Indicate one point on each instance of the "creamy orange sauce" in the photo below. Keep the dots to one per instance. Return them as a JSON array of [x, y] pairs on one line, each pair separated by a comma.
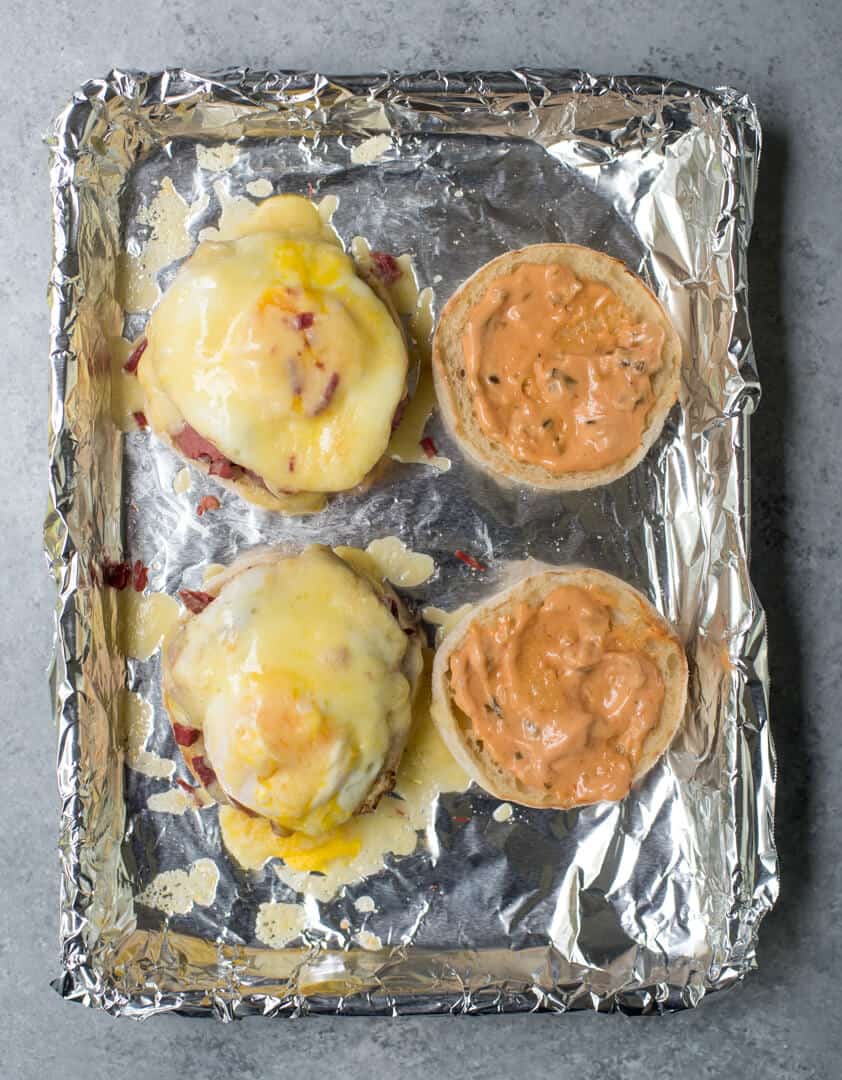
[[559, 371], [560, 699]]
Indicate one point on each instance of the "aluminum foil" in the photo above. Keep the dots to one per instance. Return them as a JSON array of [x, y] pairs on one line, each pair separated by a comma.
[[643, 906]]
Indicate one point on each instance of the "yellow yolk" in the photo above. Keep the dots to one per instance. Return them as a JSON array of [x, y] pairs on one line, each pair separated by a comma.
[[311, 854], [294, 675], [273, 349]]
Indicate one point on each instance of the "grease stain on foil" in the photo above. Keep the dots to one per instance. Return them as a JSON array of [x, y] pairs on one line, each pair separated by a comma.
[[175, 801], [368, 941], [260, 188], [277, 924], [218, 158], [136, 722], [371, 150], [175, 892], [126, 391]]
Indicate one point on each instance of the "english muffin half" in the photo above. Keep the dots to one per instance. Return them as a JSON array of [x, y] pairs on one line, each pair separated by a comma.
[[555, 367], [560, 691]]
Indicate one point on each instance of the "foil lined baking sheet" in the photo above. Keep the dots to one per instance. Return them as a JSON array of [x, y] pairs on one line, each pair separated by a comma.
[[643, 906]]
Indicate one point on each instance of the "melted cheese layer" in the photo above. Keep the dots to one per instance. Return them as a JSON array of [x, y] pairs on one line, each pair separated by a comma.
[[274, 349], [294, 674]]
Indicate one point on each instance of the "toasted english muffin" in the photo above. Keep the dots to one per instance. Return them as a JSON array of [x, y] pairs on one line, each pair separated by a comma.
[[631, 615], [458, 401]]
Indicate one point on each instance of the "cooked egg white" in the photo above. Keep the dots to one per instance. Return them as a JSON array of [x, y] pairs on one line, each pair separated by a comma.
[[294, 675], [275, 350]]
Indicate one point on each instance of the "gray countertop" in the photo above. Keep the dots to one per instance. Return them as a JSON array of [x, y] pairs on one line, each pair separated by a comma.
[[779, 1023]]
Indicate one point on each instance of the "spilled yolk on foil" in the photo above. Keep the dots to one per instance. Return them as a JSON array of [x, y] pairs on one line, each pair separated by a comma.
[[272, 348], [294, 675]]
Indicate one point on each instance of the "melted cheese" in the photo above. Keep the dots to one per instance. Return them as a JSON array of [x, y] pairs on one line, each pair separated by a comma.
[[445, 621], [406, 442], [181, 481], [175, 892], [320, 867], [234, 210], [294, 675], [273, 349], [277, 924], [173, 801], [168, 217], [371, 149], [400, 565], [368, 941], [390, 559], [217, 158], [211, 571], [136, 718], [126, 391], [260, 188], [145, 620]]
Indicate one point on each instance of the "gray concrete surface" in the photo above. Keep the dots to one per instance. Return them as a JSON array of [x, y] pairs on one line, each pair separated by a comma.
[[781, 1023]]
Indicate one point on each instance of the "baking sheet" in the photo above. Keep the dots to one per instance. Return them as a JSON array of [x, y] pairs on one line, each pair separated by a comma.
[[646, 905]]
